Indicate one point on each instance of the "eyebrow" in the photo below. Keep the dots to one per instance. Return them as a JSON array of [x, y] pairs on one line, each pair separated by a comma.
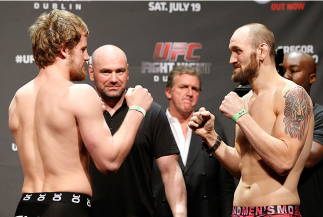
[[234, 47], [106, 69], [295, 65]]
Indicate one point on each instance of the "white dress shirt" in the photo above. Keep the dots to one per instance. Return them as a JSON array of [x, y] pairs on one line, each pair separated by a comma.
[[182, 143]]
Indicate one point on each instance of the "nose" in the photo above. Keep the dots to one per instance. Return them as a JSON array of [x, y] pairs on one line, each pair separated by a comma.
[[233, 59], [113, 77], [86, 56], [190, 91]]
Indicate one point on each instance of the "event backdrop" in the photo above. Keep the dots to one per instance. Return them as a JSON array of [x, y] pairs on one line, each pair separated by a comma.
[[155, 36]]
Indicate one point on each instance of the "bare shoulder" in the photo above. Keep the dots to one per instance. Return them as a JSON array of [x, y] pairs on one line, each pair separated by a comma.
[[83, 96], [293, 93], [288, 91], [26, 89], [84, 87], [82, 90], [19, 104], [22, 94]]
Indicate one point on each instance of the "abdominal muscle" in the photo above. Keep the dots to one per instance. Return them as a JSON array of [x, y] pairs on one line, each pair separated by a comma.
[[261, 186]]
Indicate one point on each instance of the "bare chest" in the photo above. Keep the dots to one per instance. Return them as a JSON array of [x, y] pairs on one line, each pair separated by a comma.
[[263, 111]]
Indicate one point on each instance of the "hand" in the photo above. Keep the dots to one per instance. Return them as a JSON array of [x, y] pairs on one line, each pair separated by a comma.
[[231, 105], [202, 123], [139, 96]]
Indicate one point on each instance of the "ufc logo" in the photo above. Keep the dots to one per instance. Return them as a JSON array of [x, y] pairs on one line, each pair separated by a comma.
[[171, 50]]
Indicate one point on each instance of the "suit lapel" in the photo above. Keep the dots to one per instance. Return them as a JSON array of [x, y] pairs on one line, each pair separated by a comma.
[[194, 151]]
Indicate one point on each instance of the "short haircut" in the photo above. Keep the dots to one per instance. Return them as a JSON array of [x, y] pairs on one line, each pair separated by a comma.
[[51, 32], [180, 70], [260, 33]]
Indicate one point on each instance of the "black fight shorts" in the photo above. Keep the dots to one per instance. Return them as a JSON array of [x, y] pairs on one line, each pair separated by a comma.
[[54, 204]]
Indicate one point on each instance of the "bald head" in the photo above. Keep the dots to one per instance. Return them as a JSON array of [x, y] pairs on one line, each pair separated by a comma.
[[108, 53], [300, 68], [304, 59], [109, 71], [257, 34]]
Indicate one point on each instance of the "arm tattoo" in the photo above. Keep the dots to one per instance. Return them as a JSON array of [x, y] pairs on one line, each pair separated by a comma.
[[297, 111]]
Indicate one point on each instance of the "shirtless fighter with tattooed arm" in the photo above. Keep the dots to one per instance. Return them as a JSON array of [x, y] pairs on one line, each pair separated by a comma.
[[274, 128]]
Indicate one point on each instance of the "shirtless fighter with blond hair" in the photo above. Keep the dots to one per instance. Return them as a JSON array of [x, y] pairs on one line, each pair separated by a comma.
[[274, 128], [57, 124]]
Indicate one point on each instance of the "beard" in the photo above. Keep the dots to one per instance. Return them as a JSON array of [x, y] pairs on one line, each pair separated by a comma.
[[248, 72], [77, 74]]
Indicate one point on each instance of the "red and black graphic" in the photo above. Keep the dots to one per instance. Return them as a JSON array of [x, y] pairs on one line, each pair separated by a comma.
[[170, 51], [297, 111]]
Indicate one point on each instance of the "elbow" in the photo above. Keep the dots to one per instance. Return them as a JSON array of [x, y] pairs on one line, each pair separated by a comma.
[[309, 164], [283, 169], [109, 168], [283, 172]]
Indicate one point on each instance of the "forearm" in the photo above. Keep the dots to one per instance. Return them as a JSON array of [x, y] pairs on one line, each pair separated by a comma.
[[176, 192], [226, 155], [109, 154], [124, 138]]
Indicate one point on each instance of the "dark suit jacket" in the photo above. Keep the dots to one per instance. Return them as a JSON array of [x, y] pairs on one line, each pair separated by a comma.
[[209, 186]]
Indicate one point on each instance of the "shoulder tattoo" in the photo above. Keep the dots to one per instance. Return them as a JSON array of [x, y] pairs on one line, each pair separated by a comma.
[[297, 111]]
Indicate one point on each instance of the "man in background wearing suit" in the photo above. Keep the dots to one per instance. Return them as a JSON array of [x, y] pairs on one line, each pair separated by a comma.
[[209, 186]]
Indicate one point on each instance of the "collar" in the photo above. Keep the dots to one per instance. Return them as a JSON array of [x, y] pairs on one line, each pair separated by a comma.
[[170, 117]]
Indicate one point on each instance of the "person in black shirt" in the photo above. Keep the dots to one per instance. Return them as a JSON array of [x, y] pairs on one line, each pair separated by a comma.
[[301, 68], [129, 191]]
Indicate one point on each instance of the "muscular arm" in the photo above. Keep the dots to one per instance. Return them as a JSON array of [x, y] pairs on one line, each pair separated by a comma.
[[229, 157], [174, 184], [202, 124], [316, 155], [280, 150], [107, 152]]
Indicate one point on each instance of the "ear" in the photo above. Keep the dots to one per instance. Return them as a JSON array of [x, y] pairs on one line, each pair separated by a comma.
[[168, 93], [264, 50], [64, 51], [312, 78], [128, 72], [91, 73]]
